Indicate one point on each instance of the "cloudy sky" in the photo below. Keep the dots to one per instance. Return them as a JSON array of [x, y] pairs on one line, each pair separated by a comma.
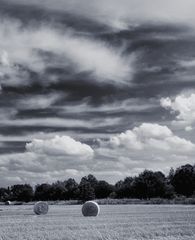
[[104, 87]]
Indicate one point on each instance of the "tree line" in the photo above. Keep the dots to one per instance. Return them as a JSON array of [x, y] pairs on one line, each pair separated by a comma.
[[148, 184]]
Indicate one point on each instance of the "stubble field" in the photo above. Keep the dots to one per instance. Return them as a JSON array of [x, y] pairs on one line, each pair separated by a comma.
[[115, 222]]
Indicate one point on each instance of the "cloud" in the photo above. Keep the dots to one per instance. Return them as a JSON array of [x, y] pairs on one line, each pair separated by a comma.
[[151, 136], [127, 105], [91, 84], [7, 113], [148, 146], [23, 47], [33, 168], [46, 160], [122, 14], [187, 63], [4, 59], [63, 145], [37, 101], [60, 122], [104, 61], [51, 158], [184, 108]]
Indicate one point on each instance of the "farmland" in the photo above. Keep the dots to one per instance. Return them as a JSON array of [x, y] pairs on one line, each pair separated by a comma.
[[115, 222]]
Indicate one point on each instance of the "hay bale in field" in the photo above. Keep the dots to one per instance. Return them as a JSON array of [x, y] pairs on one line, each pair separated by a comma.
[[90, 209], [41, 208], [8, 203]]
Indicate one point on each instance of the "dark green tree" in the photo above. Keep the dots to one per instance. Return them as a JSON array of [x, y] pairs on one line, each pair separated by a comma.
[[171, 175], [4, 194], [90, 179], [59, 191], [43, 192], [72, 188], [184, 180], [87, 192], [22, 192], [103, 189], [149, 184]]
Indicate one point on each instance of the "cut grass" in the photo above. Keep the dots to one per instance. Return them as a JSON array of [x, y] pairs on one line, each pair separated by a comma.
[[115, 222]]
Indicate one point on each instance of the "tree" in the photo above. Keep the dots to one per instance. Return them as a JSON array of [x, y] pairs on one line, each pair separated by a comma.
[[119, 189], [124, 188], [87, 192], [103, 189], [72, 189], [22, 192], [169, 191], [184, 180], [146, 185], [4, 194], [59, 191], [92, 180], [149, 184], [43, 192], [171, 175]]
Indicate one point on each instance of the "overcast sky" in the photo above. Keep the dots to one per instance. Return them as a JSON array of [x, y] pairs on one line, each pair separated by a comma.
[[103, 87]]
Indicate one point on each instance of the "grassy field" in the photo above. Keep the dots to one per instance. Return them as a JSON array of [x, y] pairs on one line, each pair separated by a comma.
[[115, 222]]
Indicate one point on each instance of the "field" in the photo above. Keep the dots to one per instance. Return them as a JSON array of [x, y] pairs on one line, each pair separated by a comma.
[[115, 222]]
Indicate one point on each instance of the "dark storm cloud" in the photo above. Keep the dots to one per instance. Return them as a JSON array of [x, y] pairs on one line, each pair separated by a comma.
[[155, 65], [120, 14], [156, 75], [12, 147], [29, 14]]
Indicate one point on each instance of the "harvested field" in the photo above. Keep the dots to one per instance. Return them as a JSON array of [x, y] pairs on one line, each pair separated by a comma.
[[115, 222]]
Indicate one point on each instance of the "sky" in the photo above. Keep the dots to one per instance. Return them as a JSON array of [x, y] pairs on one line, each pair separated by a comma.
[[95, 87]]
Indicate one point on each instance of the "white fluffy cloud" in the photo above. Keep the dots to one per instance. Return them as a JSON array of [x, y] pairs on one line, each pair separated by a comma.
[[148, 146], [184, 107], [60, 146], [46, 160], [151, 136]]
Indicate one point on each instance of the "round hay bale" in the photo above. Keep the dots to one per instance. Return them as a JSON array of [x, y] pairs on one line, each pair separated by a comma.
[[8, 203], [41, 208], [90, 209]]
